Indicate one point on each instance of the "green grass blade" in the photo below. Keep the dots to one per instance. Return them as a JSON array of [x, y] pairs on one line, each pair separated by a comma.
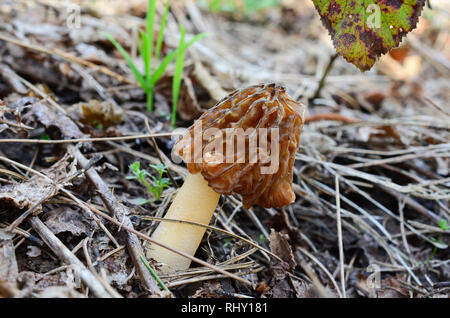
[[143, 50], [147, 64], [129, 60], [150, 27], [153, 273], [170, 57], [162, 27], [195, 39], [177, 76], [162, 67], [150, 92]]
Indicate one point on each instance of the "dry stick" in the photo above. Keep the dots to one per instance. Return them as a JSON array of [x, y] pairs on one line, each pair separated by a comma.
[[109, 254], [40, 93], [69, 57], [398, 159], [201, 271], [69, 258], [442, 110], [108, 287], [208, 277], [24, 233], [120, 212], [71, 141], [13, 174], [21, 126], [315, 260], [330, 116], [401, 205], [411, 203], [176, 168], [7, 74], [324, 76], [24, 215], [256, 222], [376, 180], [387, 211], [214, 228], [339, 233], [315, 280]]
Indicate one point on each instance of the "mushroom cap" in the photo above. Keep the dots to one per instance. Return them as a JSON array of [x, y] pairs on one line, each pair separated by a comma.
[[261, 126]]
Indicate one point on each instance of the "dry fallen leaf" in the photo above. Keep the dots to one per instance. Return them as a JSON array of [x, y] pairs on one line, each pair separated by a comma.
[[36, 190], [97, 113], [51, 119], [65, 219], [280, 282], [210, 290], [280, 222]]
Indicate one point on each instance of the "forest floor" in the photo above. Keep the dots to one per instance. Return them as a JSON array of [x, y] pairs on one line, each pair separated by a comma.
[[371, 177]]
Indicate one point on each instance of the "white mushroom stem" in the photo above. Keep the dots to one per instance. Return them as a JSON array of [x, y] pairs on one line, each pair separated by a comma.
[[194, 202]]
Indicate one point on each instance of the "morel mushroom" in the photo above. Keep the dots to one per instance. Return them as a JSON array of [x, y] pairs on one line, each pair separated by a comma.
[[245, 144]]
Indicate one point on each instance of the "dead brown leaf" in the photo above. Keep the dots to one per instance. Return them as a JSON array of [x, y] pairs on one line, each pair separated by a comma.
[[392, 288], [96, 113], [280, 223], [65, 219], [302, 289], [26, 195], [280, 283], [210, 290], [116, 268], [280, 246], [51, 120], [262, 288]]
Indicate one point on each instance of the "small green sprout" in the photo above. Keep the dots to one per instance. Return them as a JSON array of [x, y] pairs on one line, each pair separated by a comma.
[[261, 238], [443, 225], [154, 185], [227, 242], [246, 6]]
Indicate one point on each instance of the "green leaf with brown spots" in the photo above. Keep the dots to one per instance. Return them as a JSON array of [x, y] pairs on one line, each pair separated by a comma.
[[363, 30]]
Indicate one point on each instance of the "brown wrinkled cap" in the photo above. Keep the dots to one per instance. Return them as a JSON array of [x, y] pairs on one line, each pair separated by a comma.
[[240, 171]]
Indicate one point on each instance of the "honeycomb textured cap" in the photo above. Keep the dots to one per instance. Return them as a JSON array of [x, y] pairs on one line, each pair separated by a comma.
[[229, 146]]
